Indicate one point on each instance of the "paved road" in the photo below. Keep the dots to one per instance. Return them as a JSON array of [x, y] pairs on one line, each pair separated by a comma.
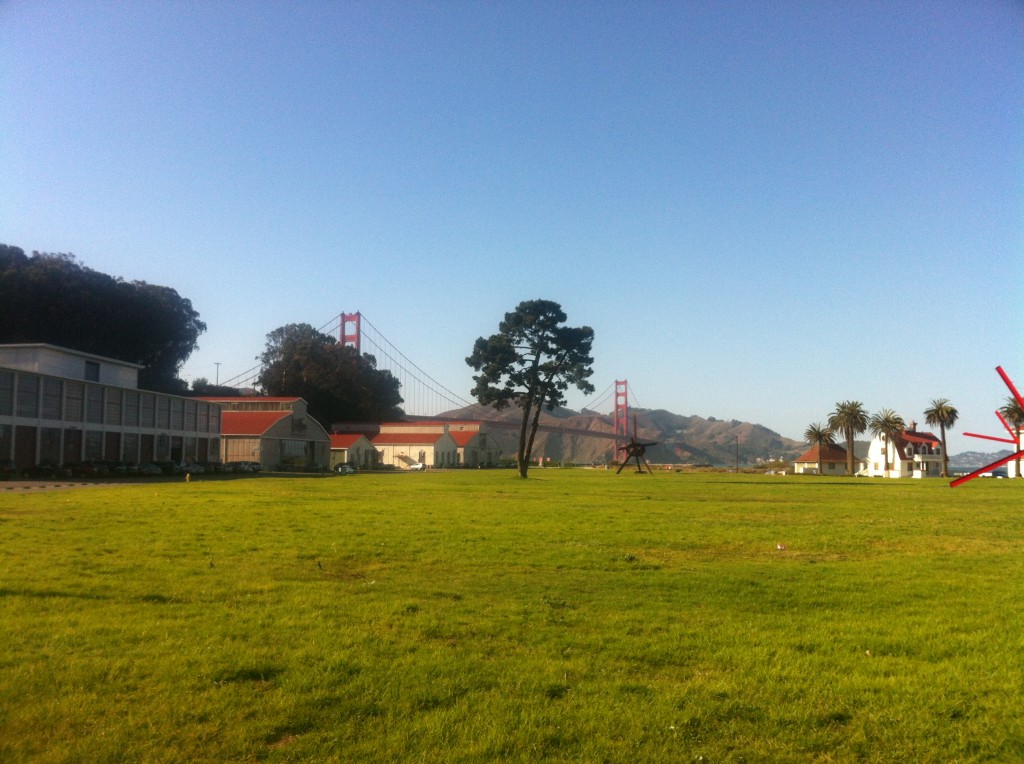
[[23, 486]]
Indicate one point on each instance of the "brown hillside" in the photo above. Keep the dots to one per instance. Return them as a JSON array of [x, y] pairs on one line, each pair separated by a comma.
[[586, 437]]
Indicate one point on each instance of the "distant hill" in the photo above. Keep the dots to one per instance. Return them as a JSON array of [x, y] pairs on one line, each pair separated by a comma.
[[586, 437], [973, 460]]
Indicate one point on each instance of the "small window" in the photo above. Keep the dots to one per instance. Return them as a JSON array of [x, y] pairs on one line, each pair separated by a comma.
[[92, 371]]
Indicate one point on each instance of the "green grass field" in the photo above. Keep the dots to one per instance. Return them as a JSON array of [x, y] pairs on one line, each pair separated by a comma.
[[475, 617]]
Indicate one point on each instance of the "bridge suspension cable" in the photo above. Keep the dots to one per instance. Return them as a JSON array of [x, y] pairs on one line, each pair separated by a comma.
[[423, 395]]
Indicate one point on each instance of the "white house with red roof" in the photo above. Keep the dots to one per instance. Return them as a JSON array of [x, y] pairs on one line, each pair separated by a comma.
[[404, 450], [352, 448], [277, 432], [833, 461], [910, 454], [474, 446]]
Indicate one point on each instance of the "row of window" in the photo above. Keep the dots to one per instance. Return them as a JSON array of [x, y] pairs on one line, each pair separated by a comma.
[[29, 445], [36, 397]]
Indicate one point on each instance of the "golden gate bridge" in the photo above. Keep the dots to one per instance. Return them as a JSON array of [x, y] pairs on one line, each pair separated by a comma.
[[427, 398]]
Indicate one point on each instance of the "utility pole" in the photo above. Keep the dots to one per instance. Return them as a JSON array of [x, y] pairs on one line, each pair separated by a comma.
[[217, 364]]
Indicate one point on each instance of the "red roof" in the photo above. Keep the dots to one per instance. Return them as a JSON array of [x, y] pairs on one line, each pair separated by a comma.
[[249, 422], [917, 438], [828, 454], [462, 437], [249, 398], [344, 440], [928, 438], [403, 438]]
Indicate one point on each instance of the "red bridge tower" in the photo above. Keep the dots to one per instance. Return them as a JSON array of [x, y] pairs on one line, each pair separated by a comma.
[[351, 337]]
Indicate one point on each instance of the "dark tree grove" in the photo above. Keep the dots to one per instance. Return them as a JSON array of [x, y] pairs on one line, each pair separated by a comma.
[[531, 362], [53, 298], [203, 387], [337, 382]]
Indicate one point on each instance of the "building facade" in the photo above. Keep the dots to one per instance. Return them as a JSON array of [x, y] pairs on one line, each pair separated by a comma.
[[354, 449], [277, 432], [400, 444], [833, 461], [909, 454], [60, 406]]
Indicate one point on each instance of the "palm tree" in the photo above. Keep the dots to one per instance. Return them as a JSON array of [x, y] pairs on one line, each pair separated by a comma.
[[851, 419], [819, 435], [940, 413], [887, 425], [1014, 414]]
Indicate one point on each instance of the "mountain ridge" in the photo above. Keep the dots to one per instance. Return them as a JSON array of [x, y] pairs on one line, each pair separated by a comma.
[[587, 437]]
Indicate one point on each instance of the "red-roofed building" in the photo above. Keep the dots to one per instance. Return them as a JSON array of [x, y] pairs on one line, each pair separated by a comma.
[[833, 461], [406, 449], [911, 454], [352, 448], [276, 432], [474, 446]]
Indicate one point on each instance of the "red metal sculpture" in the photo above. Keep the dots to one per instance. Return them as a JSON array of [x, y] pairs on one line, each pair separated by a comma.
[[1014, 436], [636, 450]]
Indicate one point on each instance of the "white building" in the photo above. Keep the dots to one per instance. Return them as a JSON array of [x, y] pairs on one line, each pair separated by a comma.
[[833, 461], [406, 449], [403, 444], [352, 448], [910, 454]]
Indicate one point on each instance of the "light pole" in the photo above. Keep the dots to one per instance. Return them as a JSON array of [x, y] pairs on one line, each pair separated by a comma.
[[737, 453], [217, 364]]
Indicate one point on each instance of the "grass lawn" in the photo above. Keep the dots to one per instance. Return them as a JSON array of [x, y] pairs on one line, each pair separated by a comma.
[[475, 617]]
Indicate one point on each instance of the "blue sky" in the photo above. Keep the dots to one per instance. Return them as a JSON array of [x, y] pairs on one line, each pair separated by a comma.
[[760, 208]]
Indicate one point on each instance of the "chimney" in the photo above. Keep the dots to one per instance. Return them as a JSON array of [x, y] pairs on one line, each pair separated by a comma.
[[913, 426]]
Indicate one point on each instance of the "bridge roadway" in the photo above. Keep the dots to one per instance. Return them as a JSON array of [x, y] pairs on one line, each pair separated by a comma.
[[506, 424]]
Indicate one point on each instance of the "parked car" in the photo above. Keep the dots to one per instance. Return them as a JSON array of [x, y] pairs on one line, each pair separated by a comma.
[[169, 468], [150, 469], [345, 469], [8, 469], [87, 469], [192, 468], [43, 470], [418, 467]]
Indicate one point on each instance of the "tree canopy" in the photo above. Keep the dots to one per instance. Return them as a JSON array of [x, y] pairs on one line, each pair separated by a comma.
[[821, 436], [940, 412], [1014, 414], [531, 362], [337, 382], [888, 425], [851, 419], [53, 298]]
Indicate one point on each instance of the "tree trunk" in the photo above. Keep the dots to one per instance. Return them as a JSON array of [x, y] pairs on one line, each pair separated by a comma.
[[522, 455], [533, 427], [945, 453]]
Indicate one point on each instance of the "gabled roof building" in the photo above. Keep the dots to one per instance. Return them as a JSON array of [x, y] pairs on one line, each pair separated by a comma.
[[354, 449], [909, 454], [277, 432], [833, 461], [404, 444]]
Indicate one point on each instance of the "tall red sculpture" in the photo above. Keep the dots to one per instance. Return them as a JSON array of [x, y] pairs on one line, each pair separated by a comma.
[[1014, 436]]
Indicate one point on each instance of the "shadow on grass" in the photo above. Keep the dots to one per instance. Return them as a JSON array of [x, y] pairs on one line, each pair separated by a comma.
[[47, 594], [858, 483]]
